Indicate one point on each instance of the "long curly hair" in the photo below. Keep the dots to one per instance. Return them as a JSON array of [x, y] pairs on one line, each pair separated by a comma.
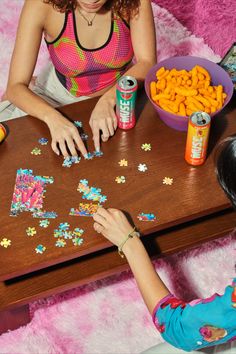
[[124, 8]]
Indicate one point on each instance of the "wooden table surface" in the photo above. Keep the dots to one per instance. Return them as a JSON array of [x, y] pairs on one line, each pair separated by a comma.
[[195, 191]]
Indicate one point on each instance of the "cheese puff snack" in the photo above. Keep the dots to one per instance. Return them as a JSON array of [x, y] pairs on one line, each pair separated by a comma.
[[183, 92]]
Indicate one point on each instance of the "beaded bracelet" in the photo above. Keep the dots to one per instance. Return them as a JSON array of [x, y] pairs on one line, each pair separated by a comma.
[[132, 234]]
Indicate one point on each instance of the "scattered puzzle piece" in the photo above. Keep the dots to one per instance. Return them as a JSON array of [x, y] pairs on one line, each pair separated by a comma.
[[40, 249], [77, 241], [120, 179], [44, 223], [58, 233], [60, 243], [5, 243], [68, 235], [146, 147], [123, 163], [36, 151], [31, 231], [43, 141], [142, 167], [78, 232], [64, 226], [146, 217], [168, 181]]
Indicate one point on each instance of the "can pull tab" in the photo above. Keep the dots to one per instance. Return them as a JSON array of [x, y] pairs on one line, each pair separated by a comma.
[[200, 119]]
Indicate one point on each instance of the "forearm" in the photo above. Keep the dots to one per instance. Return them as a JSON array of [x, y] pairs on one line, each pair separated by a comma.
[[150, 285], [22, 97]]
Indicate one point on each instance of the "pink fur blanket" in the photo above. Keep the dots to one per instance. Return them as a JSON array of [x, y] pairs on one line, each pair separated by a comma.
[[213, 20]]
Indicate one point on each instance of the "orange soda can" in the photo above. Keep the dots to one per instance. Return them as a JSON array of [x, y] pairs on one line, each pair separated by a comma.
[[197, 138]]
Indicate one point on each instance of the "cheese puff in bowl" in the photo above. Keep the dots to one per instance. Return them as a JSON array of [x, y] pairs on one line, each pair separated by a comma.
[[179, 86]]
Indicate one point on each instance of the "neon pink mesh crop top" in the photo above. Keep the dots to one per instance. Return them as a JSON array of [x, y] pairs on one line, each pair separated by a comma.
[[84, 71]]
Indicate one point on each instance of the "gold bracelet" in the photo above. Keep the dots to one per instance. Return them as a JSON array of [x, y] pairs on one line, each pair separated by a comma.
[[132, 234]]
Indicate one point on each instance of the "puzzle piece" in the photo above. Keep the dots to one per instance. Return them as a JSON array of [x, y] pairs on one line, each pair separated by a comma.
[[70, 160], [146, 217], [78, 124], [44, 223], [168, 181], [31, 231], [88, 209], [146, 147], [120, 179], [43, 141], [77, 241], [36, 151], [40, 249], [88, 156], [98, 153], [123, 163], [5, 243], [64, 226], [60, 243], [142, 167]]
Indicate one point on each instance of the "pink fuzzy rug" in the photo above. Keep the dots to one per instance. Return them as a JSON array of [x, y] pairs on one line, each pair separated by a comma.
[[109, 316], [212, 20]]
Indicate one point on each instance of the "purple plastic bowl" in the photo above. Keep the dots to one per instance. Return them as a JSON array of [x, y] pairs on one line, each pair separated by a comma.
[[218, 77]]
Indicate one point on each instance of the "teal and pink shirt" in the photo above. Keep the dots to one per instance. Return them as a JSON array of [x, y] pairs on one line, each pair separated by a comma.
[[84, 71]]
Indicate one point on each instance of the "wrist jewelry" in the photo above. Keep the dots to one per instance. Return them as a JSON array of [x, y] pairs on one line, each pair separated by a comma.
[[132, 234]]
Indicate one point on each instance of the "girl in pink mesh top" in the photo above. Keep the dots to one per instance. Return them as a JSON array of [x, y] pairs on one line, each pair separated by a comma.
[[91, 44]]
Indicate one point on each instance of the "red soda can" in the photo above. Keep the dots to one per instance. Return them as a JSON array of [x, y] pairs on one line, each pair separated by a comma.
[[126, 92], [197, 138]]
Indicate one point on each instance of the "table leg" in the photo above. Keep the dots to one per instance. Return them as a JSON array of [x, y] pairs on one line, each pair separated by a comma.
[[12, 319]]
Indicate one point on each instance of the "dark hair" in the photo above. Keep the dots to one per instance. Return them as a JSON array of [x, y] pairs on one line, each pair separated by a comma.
[[225, 162], [124, 8]]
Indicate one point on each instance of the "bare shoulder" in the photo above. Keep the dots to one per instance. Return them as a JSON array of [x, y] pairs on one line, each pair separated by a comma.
[[35, 10], [144, 11]]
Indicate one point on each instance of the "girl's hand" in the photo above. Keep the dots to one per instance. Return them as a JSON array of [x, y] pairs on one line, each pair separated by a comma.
[[66, 135], [113, 224], [103, 118]]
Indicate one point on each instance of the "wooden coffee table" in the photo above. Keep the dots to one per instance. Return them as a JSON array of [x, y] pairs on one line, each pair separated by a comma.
[[190, 211]]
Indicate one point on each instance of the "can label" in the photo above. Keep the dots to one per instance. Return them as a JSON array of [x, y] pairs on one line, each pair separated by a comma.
[[126, 93], [197, 138]]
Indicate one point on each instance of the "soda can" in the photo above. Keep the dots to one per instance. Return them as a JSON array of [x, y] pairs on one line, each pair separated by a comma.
[[126, 92], [197, 138]]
